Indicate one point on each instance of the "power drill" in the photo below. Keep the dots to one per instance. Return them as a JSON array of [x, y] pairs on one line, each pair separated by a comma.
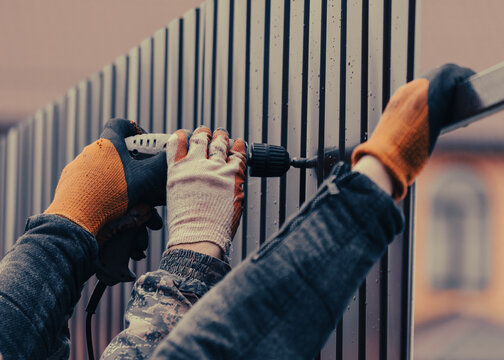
[[263, 160]]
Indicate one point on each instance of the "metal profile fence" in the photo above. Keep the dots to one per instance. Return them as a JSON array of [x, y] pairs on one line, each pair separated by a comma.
[[306, 74]]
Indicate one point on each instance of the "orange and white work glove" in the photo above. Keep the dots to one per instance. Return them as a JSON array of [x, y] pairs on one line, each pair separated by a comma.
[[204, 188], [411, 124], [104, 181]]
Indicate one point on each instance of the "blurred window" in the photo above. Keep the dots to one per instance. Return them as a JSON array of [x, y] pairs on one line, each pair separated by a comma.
[[459, 241]]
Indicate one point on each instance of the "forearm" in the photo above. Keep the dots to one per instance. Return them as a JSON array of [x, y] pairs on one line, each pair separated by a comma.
[[284, 301], [160, 298], [41, 279]]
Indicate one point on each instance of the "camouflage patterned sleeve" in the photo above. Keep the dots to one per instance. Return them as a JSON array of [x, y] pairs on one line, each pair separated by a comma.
[[160, 298]]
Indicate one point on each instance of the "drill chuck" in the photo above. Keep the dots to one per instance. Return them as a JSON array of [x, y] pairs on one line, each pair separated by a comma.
[[268, 160]]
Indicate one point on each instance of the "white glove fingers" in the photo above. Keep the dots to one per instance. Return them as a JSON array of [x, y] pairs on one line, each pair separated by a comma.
[[198, 145], [219, 146], [238, 155], [176, 147]]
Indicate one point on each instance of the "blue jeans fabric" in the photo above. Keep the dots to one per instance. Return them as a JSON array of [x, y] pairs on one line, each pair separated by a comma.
[[283, 301]]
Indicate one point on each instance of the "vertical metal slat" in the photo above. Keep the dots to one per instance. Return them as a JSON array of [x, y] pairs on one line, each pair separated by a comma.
[[221, 63], [274, 115], [258, 8], [189, 66], [102, 318], [173, 75], [121, 86], [11, 186], [3, 185], [238, 21], [38, 162], [119, 293], [159, 77]]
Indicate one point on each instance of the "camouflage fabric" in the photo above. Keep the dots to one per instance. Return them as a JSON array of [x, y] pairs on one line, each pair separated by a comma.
[[160, 298]]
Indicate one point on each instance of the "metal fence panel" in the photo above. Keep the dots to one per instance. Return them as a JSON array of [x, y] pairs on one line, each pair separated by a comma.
[[12, 162], [352, 132], [3, 181], [374, 107], [121, 65], [134, 85], [159, 85], [96, 98], [200, 54], [71, 124], [50, 151], [159, 72], [398, 76], [23, 168], [237, 115], [189, 66], [172, 99], [38, 162], [118, 294], [272, 130], [209, 17], [76, 133], [144, 111], [84, 115], [331, 108], [102, 320], [297, 60], [311, 75], [254, 234], [221, 62], [61, 104], [28, 186], [96, 113]]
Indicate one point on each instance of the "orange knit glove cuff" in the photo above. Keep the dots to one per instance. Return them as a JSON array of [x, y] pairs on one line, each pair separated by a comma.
[[92, 188], [401, 139]]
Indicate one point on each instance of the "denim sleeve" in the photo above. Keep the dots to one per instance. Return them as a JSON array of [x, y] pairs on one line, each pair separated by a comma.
[[283, 301], [41, 279], [160, 298]]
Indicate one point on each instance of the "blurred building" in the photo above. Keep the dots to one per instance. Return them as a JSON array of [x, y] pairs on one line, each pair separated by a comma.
[[459, 274]]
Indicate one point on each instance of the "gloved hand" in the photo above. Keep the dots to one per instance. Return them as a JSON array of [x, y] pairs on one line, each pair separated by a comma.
[[204, 187], [122, 239], [104, 181], [411, 123]]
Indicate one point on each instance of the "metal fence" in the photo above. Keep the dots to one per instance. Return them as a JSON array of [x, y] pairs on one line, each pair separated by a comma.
[[305, 74]]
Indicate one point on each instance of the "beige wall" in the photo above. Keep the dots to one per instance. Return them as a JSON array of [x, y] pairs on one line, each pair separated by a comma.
[[47, 46], [468, 33]]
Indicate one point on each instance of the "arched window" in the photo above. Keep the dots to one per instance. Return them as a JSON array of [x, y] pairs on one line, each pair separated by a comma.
[[459, 239]]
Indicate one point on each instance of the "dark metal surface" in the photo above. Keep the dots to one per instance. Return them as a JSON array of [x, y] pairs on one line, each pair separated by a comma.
[[480, 96]]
